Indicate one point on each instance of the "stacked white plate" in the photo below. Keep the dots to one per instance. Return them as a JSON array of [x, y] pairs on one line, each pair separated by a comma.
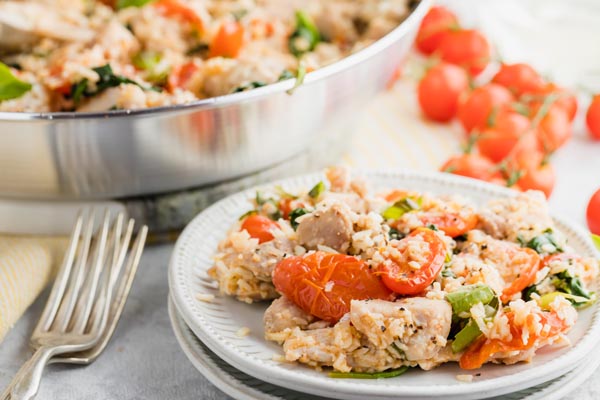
[[246, 367]]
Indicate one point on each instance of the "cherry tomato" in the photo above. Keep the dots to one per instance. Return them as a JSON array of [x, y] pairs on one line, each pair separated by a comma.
[[229, 40], [467, 48], [592, 118], [402, 278], [259, 227], [497, 141], [437, 21], [593, 213], [526, 155], [182, 75], [474, 112], [480, 351], [529, 264], [542, 178], [323, 284], [181, 10], [452, 224], [519, 78], [565, 99], [554, 129], [439, 91], [470, 165]]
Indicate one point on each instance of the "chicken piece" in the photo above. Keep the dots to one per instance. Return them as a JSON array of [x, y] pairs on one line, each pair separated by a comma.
[[329, 226], [327, 346], [25, 23], [283, 315], [524, 216], [418, 326]]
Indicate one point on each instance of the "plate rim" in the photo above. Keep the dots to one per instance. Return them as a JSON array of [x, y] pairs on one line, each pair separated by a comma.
[[283, 377]]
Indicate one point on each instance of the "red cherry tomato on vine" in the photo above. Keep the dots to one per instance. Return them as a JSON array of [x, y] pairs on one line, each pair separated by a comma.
[[471, 166], [592, 118], [519, 78], [497, 141], [405, 279], [593, 213], [437, 21], [564, 99], [542, 178], [323, 284], [259, 227], [554, 129], [474, 112], [466, 48], [439, 91]]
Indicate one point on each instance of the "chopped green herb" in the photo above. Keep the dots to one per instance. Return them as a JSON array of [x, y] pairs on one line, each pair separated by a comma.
[[317, 190], [259, 199], [432, 227], [249, 86], [566, 283], [369, 375], [239, 14], [295, 214], [78, 89], [395, 234], [198, 50], [150, 61], [448, 273], [305, 37], [529, 291], [131, 3], [285, 75], [401, 207], [10, 86], [544, 243]]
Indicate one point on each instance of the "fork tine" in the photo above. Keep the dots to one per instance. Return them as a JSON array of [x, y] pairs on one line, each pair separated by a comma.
[[88, 293], [65, 312], [102, 304], [61, 280]]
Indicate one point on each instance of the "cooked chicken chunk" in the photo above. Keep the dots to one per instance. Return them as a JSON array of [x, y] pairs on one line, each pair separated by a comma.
[[329, 226], [284, 315], [418, 326]]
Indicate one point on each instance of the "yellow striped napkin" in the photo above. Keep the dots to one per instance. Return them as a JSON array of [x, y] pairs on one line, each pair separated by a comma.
[[27, 264]]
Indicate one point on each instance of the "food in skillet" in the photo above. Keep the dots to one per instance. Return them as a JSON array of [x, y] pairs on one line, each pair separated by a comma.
[[87, 55], [369, 282]]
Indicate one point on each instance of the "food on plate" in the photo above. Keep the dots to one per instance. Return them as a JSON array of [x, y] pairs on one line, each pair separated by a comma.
[[370, 283], [102, 55]]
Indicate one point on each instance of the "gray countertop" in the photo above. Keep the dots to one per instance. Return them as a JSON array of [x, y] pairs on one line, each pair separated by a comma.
[[143, 360]]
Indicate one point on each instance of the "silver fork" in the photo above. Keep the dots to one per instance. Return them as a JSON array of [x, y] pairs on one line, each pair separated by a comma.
[[80, 315]]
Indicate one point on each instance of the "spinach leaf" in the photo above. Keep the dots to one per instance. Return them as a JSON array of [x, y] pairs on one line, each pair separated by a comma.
[[10, 86], [248, 86], [545, 243], [295, 214], [305, 37]]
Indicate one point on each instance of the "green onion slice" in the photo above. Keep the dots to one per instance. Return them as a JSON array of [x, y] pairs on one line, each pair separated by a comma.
[[369, 375]]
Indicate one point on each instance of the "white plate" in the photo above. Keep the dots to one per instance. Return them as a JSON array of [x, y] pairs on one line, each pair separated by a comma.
[[241, 386], [216, 323]]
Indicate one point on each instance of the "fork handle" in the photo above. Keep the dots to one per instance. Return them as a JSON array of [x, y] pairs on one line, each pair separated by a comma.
[[26, 383]]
